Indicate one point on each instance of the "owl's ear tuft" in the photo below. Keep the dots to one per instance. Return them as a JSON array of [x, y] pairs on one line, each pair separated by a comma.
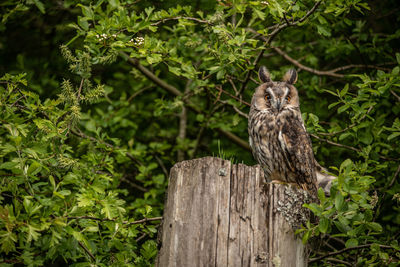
[[264, 75], [290, 76]]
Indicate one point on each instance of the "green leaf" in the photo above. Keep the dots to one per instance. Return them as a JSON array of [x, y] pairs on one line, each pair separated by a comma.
[[343, 108], [339, 201], [34, 168], [32, 233], [393, 135], [8, 165], [344, 90], [323, 225], [154, 58], [376, 227], [259, 13], [324, 30], [8, 240], [40, 6], [351, 243]]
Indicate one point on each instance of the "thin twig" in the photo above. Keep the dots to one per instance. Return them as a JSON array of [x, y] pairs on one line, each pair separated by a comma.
[[13, 104], [335, 144], [80, 89], [162, 166], [248, 75], [396, 95], [144, 220], [87, 251], [232, 96], [267, 40], [113, 220], [138, 93], [351, 66], [332, 72], [382, 199], [81, 134], [345, 250], [183, 124], [349, 147], [350, 126], [135, 62], [134, 185], [141, 237], [238, 111], [394, 177], [339, 261], [181, 17]]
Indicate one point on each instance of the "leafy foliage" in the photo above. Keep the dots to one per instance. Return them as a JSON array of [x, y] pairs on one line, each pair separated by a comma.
[[110, 94]]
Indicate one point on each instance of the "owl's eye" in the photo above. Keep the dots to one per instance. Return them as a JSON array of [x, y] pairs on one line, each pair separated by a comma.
[[267, 97], [287, 98]]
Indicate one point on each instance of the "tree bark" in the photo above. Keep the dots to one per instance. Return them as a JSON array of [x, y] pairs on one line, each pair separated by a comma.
[[219, 214]]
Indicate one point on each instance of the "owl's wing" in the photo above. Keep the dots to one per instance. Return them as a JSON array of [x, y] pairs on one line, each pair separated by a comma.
[[297, 149]]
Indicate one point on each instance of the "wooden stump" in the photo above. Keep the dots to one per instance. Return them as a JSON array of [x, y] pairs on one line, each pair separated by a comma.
[[219, 214]]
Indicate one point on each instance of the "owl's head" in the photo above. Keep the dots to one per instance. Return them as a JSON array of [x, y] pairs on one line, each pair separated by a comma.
[[276, 96]]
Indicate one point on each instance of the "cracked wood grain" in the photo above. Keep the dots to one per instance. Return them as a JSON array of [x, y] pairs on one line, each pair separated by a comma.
[[220, 214]]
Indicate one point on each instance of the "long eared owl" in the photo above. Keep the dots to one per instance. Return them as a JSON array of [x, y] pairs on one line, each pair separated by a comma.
[[278, 137]]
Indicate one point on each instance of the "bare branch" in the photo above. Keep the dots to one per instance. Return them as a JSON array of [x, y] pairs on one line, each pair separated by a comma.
[[144, 220], [162, 166], [350, 126], [135, 62], [183, 125], [351, 66], [345, 250], [349, 147], [267, 40], [339, 261], [396, 95], [87, 251], [80, 89], [113, 220], [134, 185], [79, 133], [181, 17], [335, 144], [232, 96], [332, 72], [301, 66], [394, 177]]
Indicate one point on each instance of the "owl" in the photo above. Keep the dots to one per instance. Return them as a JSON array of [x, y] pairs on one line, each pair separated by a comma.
[[277, 134]]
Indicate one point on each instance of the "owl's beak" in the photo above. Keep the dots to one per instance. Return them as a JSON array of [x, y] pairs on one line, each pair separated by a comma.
[[278, 105]]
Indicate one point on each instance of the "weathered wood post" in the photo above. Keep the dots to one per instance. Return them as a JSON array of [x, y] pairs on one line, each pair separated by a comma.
[[219, 214]]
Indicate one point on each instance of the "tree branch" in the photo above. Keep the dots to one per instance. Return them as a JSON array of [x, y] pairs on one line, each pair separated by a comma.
[[82, 135], [232, 96], [267, 40], [345, 250], [135, 62], [335, 144], [87, 251], [134, 185], [181, 17], [182, 125], [395, 95], [350, 126], [308, 69], [394, 177], [113, 220], [339, 261]]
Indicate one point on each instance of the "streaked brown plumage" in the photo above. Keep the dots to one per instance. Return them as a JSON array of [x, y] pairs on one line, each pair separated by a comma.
[[277, 134]]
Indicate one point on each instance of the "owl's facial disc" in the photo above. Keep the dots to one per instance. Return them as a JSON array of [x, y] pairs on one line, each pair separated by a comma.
[[277, 97]]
